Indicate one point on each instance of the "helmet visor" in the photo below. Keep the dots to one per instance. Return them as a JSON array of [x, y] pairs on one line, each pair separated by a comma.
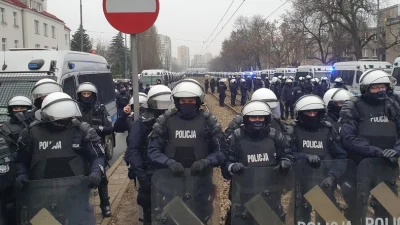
[[60, 109]]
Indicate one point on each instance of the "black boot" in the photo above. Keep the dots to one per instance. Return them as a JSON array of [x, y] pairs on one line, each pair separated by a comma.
[[104, 199]]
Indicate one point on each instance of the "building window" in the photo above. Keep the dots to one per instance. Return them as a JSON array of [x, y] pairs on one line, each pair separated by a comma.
[[66, 39], [375, 51], [46, 46], [16, 43], [45, 29], [15, 19], [39, 7], [36, 27], [37, 46], [365, 53], [2, 15], [54, 48], [53, 32], [3, 44], [30, 4]]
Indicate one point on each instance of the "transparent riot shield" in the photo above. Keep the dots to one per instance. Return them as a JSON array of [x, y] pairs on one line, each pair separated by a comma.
[[261, 196], [378, 188], [321, 198], [182, 200], [62, 201]]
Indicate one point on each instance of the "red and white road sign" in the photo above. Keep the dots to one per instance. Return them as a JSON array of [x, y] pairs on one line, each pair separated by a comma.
[[131, 16]]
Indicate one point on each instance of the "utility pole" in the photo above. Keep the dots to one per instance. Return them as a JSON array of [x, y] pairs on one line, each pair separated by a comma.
[[378, 36], [126, 59], [81, 28]]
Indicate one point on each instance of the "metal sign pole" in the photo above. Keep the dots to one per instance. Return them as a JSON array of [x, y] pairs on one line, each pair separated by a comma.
[[135, 78]]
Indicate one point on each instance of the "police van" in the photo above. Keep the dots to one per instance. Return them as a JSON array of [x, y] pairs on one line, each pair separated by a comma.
[[396, 73], [350, 72], [267, 74], [20, 69], [313, 71], [285, 72]]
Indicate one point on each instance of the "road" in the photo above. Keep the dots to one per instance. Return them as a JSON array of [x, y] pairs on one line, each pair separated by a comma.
[[120, 146]]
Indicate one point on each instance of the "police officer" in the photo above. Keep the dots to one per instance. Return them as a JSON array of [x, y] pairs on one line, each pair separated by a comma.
[[233, 89], [308, 86], [297, 91], [96, 115], [136, 153], [221, 91], [325, 84], [206, 85], [124, 122], [122, 99], [391, 94], [49, 145], [339, 83], [315, 139], [243, 91], [40, 90], [187, 137], [302, 83], [334, 100], [318, 88], [287, 98], [257, 137], [212, 85], [268, 96], [249, 83], [258, 83]]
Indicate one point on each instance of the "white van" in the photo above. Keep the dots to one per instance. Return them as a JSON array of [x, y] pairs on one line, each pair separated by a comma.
[[285, 72], [313, 71], [350, 72], [396, 73], [20, 69], [267, 74]]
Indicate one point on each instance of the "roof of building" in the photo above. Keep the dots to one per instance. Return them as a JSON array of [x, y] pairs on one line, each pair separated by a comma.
[[44, 13], [66, 28]]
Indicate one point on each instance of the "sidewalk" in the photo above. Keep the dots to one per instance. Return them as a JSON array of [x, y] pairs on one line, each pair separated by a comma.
[[118, 182]]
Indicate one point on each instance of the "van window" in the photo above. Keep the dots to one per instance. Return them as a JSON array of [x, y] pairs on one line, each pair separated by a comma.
[[69, 87], [103, 83], [346, 75], [358, 75], [396, 74]]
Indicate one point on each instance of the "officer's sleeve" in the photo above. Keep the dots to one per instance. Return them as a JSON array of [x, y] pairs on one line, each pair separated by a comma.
[[134, 143], [218, 144], [283, 146], [233, 125], [24, 153], [338, 153], [157, 142], [107, 124], [349, 133], [283, 96], [93, 152], [231, 157]]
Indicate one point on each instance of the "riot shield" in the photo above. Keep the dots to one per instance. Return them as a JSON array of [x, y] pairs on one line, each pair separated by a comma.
[[321, 198], [62, 201], [378, 188], [182, 200], [262, 196]]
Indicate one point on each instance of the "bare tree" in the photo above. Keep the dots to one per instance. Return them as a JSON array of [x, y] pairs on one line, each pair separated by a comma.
[[102, 47], [148, 55]]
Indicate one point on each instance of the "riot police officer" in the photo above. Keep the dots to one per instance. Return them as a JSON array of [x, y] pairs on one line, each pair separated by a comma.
[[96, 115], [297, 90], [122, 99], [339, 83], [243, 91], [308, 86], [256, 137], [302, 83], [187, 137], [206, 85], [268, 96], [212, 85], [318, 88], [8, 213], [287, 98], [221, 91], [40, 90], [334, 100], [59, 146], [325, 84], [233, 89], [315, 139], [136, 153], [124, 122], [391, 94], [258, 83]]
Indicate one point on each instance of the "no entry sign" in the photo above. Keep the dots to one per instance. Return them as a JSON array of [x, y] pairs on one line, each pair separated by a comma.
[[131, 16]]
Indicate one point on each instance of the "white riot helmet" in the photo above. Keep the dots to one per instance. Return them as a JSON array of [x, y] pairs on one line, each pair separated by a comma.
[[312, 80], [373, 76], [393, 82], [269, 97], [309, 103], [308, 77], [19, 101], [280, 77], [274, 80], [301, 78], [233, 81], [336, 95], [256, 108], [159, 97], [338, 80], [86, 87], [43, 88], [324, 78], [242, 80], [316, 80], [59, 106], [289, 81], [188, 88], [142, 100]]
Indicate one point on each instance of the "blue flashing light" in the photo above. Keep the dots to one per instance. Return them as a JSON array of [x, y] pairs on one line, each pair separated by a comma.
[[33, 66], [332, 68], [72, 65]]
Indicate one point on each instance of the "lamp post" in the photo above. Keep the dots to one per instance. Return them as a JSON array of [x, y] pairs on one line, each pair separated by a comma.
[[81, 27]]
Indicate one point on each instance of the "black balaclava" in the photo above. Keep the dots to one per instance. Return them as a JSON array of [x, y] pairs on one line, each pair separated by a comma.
[[87, 102], [311, 122], [59, 125], [333, 110], [12, 114], [258, 129], [375, 98], [187, 111], [38, 102]]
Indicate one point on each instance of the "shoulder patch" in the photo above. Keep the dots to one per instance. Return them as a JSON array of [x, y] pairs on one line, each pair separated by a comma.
[[327, 123], [109, 119]]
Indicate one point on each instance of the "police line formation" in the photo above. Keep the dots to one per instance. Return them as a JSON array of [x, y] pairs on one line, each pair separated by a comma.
[[337, 163]]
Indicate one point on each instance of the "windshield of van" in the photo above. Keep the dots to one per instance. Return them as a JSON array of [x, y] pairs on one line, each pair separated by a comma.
[[278, 74], [301, 74], [346, 75], [14, 84], [396, 74], [150, 79]]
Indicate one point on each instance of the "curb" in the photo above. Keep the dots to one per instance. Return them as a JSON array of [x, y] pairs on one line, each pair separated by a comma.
[[115, 165]]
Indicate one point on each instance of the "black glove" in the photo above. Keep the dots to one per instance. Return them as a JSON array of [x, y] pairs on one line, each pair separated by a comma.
[[21, 180], [388, 153], [198, 166], [328, 182], [90, 132], [314, 160], [177, 169], [145, 184], [94, 180], [284, 165], [237, 168]]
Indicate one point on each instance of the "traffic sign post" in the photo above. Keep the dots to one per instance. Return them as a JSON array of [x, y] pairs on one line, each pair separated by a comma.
[[132, 17]]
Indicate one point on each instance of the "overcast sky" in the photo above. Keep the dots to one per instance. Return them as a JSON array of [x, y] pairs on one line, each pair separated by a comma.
[[186, 22]]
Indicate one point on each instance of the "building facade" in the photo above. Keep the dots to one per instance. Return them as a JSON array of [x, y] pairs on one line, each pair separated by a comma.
[[165, 50], [183, 57], [27, 24], [207, 57]]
